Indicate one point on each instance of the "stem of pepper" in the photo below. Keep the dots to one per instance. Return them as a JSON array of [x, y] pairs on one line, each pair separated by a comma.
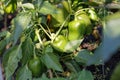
[[39, 38], [34, 55], [48, 29], [60, 28], [44, 31]]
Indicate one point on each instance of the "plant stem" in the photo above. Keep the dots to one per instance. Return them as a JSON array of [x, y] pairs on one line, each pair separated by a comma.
[[44, 31], [5, 22], [34, 54], [50, 73], [39, 38], [60, 28], [48, 29]]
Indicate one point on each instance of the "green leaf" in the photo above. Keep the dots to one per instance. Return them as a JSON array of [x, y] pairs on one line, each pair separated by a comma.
[[20, 23], [5, 41], [24, 74], [3, 33], [6, 56], [11, 63], [47, 8], [51, 60], [59, 14], [84, 56], [74, 69], [27, 50], [85, 75], [48, 49], [73, 76], [38, 3], [72, 66], [72, 45], [2, 45]]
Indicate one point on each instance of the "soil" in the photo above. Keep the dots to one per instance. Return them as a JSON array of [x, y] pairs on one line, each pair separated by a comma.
[[104, 72]]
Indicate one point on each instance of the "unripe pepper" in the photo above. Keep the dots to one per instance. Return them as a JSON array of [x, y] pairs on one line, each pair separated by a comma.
[[36, 66], [59, 43], [84, 17], [76, 30]]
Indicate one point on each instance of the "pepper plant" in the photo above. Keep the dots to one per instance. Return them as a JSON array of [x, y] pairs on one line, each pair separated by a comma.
[[45, 40]]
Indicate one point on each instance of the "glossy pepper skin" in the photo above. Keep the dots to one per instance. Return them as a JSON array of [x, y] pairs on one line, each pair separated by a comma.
[[59, 43], [36, 66], [84, 17], [76, 30], [11, 7]]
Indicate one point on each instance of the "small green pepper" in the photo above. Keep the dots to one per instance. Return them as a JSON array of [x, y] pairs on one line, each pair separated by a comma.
[[76, 30], [36, 66], [59, 43], [84, 17]]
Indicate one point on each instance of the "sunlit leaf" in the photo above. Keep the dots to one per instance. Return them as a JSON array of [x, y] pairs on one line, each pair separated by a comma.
[[24, 74]]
